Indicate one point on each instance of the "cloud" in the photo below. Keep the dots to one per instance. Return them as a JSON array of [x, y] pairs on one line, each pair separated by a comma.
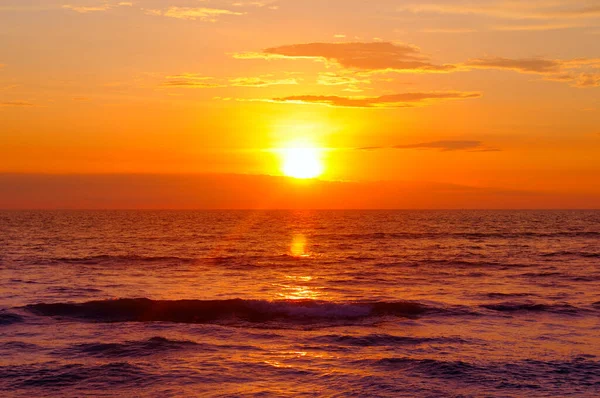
[[86, 9], [580, 12], [578, 72], [362, 59], [27, 8], [104, 6], [191, 80], [370, 57], [581, 80], [191, 84], [194, 80], [587, 80], [449, 145], [525, 65], [8, 87], [261, 82], [387, 101], [193, 13], [260, 4], [351, 82], [546, 14], [15, 103], [537, 27], [449, 30], [544, 9], [444, 146]]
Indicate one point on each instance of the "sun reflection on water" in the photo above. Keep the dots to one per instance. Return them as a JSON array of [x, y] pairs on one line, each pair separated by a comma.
[[298, 288], [298, 247]]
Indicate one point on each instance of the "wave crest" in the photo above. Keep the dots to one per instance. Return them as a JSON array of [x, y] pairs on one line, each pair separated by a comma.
[[7, 318], [211, 311], [129, 349], [560, 308]]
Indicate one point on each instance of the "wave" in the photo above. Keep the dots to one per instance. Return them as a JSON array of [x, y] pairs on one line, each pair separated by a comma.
[[566, 253], [505, 295], [374, 340], [543, 274], [244, 261], [213, 311], [143, 348], [474, 264], [300, 312], [13, 346], [461, 235], [559, 308], [580, 372], [106, 258], [285, 260], [590, 278], [128, 349], [432, 367], [8, 318], [51, 375]]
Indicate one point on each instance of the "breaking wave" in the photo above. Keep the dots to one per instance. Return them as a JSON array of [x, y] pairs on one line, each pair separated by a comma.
[[7, 318], [213, 311]]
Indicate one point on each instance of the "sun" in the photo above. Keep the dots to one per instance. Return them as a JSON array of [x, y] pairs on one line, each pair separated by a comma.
[[302, 162]]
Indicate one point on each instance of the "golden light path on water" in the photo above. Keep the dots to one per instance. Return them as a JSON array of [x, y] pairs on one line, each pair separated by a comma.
[[298, 246], [299, 287]]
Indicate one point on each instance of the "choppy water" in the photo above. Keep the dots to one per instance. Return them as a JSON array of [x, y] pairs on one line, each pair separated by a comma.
[[313, 303]]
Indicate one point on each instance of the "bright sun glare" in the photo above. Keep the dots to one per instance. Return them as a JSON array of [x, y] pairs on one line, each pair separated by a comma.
[[302, 162]]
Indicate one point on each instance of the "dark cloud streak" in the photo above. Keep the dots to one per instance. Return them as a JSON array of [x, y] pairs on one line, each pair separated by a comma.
[[444, 146]]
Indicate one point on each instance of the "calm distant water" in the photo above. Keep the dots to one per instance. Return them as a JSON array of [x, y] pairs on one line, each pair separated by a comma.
[[300, 303]]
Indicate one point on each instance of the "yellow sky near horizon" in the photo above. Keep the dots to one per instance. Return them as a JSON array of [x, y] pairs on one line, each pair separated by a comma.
[[494, 93]]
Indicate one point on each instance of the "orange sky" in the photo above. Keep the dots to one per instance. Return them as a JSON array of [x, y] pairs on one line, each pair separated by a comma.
[[495, 96]]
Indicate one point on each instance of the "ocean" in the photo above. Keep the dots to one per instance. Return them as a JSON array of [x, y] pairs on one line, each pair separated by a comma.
[[300, 303]]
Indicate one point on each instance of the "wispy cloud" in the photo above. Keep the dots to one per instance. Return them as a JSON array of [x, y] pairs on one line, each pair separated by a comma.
[[539, 27], [194, 13], [370, 57], [531, 65], [387, 101], [16, 103], [514, 15], [103, 6], [261, 81], [510, 9], [351, 82], [579, 72], [445, 146], [194, 80], [86, 9], [582, 80], [27, 8], [272, 5], [359, 60], [191, 80], [449, 30]]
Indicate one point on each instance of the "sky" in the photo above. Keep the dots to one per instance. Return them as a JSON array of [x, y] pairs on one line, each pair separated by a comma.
[[196, 103]]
